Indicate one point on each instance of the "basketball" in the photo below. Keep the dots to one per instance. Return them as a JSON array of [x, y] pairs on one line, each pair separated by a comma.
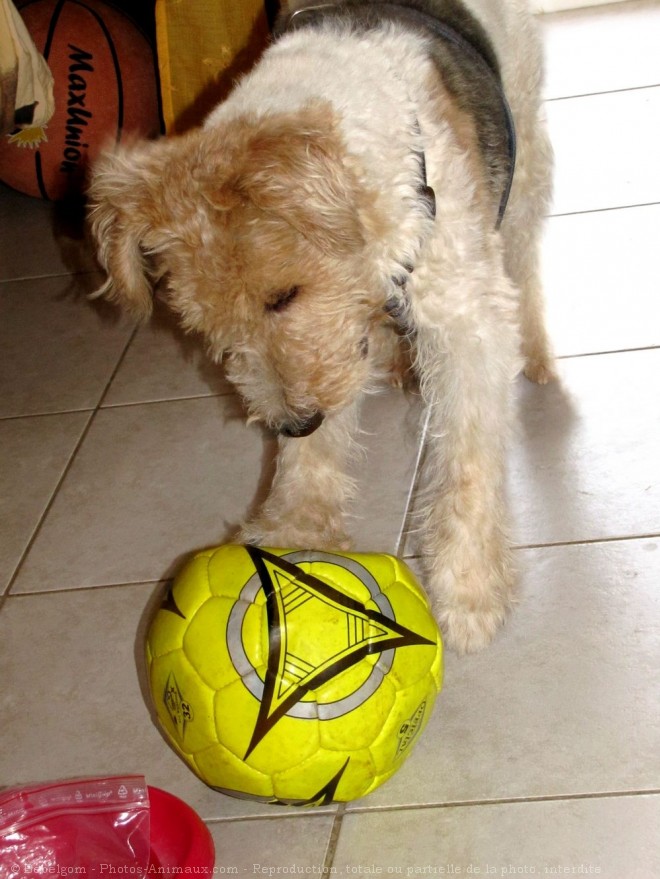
[[105, 88]]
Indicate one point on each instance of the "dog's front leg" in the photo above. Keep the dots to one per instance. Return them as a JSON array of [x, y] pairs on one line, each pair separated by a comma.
[[311, 489], [466, 369]]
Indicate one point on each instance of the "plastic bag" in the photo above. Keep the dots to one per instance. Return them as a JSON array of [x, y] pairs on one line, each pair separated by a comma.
[[26, 83], [84, 827]]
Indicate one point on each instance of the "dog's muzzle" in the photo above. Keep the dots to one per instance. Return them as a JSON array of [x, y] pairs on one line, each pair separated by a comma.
[[303, 427]]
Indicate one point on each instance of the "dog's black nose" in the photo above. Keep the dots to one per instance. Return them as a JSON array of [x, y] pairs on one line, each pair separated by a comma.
[[304, 426]]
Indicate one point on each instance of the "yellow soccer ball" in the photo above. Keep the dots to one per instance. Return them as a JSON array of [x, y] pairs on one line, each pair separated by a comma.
[[294, 677]]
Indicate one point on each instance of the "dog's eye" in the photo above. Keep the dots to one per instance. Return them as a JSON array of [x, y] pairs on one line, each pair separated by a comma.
[[283, 299]]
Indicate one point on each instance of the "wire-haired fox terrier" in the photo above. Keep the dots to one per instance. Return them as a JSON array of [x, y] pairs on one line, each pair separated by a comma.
[[379, 177]]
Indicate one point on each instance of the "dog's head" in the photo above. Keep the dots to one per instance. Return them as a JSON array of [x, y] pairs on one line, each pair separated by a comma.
[[260, 231]]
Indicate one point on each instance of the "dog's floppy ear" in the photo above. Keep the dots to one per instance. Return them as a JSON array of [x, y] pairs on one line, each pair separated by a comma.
[[119, 218], [294, 165]]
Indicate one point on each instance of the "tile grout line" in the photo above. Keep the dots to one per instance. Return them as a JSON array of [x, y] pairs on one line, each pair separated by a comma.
[[507, 801], [617, 207], [632, 88], [343, 812], [37, 528], [65, 472], [333, 840], [607, 353], [91, 587], [62, 274], [587, 541], [126, 405], [26, 415], [305, 812], [132, 403]]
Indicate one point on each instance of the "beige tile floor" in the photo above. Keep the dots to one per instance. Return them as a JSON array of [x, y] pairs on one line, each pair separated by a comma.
[[122, 451]]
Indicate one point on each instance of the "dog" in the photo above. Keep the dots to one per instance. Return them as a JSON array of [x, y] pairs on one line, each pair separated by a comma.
[[379, 178]]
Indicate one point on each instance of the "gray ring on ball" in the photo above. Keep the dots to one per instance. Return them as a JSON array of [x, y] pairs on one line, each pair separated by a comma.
[[309, 710]]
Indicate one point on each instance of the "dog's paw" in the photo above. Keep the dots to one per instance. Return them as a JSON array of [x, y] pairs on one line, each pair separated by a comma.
[[263, 532], [539, 364], [472, 598], [468, 631], [541, 372]]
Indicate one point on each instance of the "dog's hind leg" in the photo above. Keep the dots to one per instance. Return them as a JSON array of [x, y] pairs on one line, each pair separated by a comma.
[[521, 232], [310, 491], [467, 360]]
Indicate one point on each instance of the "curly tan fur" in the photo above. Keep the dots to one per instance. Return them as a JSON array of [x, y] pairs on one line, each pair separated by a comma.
[[285, 231]]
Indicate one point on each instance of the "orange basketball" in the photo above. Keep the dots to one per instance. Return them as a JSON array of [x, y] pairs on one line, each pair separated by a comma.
[[105, 88]]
